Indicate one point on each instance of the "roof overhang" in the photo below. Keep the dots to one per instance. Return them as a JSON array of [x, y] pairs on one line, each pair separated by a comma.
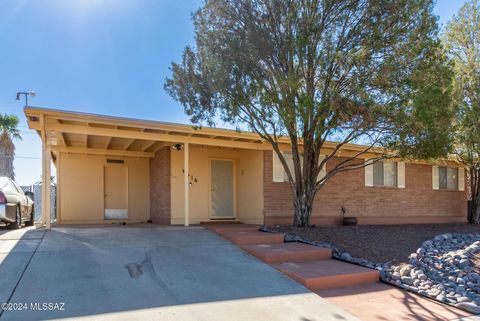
[[105, 135], [82, 133]]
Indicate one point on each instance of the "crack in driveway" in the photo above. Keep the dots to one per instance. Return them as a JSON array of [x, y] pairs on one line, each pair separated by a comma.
[[24, 269]]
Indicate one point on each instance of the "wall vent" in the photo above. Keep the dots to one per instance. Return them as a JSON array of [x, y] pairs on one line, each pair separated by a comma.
[[115, 161]]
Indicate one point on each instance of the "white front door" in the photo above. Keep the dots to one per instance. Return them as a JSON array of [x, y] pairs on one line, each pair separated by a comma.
[[116, 192], [222, 192]]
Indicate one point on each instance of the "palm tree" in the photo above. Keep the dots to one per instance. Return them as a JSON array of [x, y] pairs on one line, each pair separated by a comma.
[[8, 133]]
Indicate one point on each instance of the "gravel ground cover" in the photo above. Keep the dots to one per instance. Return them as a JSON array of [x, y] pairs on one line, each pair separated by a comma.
[[378, 243]]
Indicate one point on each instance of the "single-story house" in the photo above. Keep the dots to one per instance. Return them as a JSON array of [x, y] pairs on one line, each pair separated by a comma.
[[112, 169]]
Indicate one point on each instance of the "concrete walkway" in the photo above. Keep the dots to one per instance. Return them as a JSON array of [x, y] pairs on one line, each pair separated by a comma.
[[145, 273], [16, 250]]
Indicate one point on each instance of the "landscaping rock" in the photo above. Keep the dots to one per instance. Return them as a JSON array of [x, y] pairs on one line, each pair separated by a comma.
[[346, 256], [468, 306], [422, 277], [405, 271], [407, 280], [463, 299], [433, 293], [441, 269], [441, 297]]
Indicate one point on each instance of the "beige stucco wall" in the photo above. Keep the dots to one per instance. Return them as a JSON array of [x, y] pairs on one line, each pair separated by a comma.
[[80, 179], [248, 183]]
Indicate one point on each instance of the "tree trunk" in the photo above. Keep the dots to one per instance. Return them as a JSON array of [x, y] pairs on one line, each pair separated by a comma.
[[303, 205], [475, 213], [475, 195], [475, 204], [305, 180]]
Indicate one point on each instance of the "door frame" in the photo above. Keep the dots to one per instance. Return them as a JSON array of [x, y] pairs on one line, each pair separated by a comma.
[[234, 182], [126, 187]]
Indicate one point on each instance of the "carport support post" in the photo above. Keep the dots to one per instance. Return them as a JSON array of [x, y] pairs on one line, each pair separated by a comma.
[[186, 182], [46, 174]]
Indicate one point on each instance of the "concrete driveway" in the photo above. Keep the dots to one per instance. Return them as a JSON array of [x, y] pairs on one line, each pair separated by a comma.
[[145, 272]]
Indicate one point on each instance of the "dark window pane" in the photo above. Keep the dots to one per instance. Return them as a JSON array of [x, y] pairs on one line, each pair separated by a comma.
[[452, 178], [378, 173], [390, 173], [442, 178]]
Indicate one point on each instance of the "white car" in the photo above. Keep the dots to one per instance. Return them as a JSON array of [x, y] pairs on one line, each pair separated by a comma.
[[16, 209]]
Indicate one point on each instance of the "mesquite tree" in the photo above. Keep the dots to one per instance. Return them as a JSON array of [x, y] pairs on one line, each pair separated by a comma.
[[366, 71], [462, 41]]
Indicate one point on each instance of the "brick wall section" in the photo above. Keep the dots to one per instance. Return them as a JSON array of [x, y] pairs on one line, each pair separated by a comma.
[[416, 203], [160, 208]]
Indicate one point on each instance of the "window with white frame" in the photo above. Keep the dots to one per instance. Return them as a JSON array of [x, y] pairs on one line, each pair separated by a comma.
[[279, 174], [448, 178], [385, 173]]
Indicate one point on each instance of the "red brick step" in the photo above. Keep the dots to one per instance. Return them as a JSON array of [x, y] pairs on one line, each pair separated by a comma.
[[230, 228], [220, 222], [252, 237], [284, 252], [328, 274]]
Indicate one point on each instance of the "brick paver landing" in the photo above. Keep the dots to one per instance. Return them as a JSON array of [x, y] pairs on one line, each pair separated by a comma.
[[380, 301]]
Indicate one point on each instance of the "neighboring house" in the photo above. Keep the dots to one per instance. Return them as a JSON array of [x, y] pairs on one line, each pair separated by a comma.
[[28, 188], [37, 199], [114, 169]]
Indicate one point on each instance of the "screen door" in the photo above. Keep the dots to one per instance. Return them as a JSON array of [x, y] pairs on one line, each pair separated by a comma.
[[222, 189]]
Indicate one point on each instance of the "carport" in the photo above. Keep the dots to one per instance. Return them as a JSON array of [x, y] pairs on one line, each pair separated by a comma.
[[74, 141]]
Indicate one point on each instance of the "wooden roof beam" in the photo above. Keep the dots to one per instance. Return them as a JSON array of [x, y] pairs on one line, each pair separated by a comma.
[[148, 144], [97, 151], [107, 143], [129, 144], [97, 131]]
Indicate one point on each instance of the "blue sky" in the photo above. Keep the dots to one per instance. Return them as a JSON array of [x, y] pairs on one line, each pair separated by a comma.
[[99, 56]]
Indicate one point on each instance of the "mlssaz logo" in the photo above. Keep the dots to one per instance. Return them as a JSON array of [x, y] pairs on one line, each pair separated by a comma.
[[57, 306]]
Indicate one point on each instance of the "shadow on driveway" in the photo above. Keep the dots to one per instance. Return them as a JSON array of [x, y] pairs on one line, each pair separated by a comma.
[[147, 272]]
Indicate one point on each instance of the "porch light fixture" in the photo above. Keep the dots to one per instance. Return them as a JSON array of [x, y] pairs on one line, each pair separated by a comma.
[[177, 147], [26, 94]]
